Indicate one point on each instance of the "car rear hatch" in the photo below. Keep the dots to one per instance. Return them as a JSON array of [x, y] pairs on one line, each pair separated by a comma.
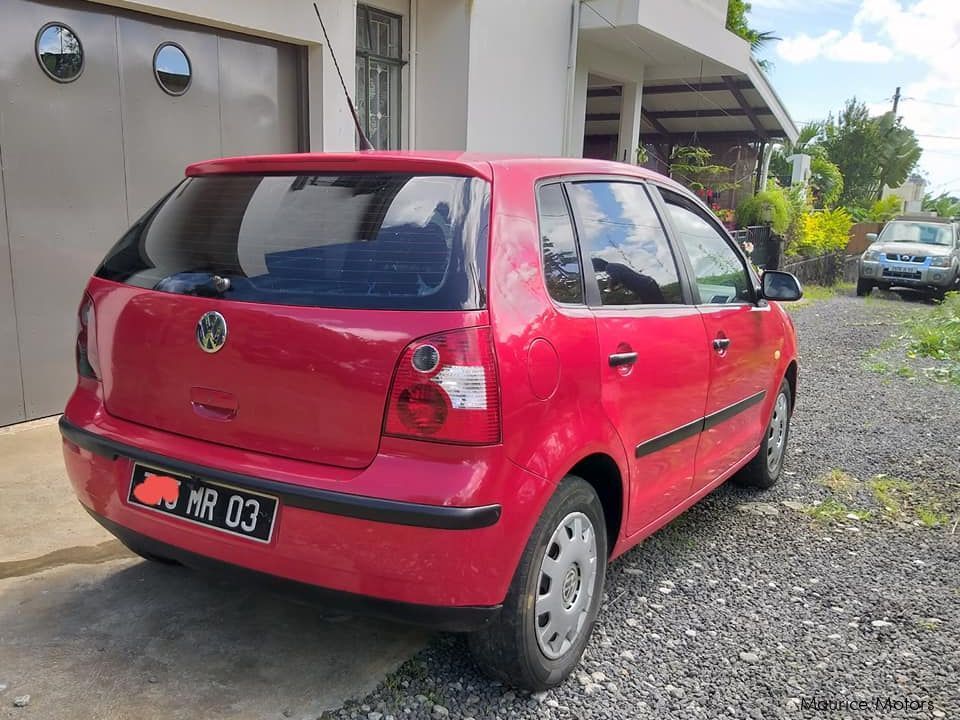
[[268, 311]]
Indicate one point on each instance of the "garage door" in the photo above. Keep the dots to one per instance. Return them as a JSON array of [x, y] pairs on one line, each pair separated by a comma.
[[101, 112]]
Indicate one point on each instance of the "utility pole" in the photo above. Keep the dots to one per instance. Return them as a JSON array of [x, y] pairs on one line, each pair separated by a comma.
[[896, 101]]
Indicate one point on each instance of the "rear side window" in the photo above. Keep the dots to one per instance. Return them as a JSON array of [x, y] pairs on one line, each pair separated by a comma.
[[625, 244], [359, 240], [561, 264]]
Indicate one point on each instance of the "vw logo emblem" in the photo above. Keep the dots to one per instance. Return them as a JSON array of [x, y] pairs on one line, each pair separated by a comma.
[[211, 332]]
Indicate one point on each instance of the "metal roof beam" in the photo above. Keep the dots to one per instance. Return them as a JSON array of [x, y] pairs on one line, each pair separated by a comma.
[[742, 101], [694, 87]]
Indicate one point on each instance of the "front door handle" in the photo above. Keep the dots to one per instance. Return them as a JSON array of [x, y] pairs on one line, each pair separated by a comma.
[[622, 358], [721, 344]]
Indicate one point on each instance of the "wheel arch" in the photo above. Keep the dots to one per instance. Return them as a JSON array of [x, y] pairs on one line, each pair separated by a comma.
[[791, 376], [602, 472]]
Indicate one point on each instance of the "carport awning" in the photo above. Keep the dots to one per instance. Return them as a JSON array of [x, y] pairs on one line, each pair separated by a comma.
[[698, 78], [717, 108]]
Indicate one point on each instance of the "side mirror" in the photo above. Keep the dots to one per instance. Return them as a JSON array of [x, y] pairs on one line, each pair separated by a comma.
[[871, 237], [783, 286]]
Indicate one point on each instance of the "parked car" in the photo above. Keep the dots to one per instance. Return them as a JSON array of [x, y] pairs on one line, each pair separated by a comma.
[[439, 388], [920, 254]]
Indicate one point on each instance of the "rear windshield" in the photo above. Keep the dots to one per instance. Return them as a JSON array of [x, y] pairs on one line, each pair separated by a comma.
[[359, 240]]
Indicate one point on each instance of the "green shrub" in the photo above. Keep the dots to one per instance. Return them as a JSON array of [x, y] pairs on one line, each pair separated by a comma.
[[769, 207], [885, 210], [822, 232], [937, 334], [826, 181], [880, 211]]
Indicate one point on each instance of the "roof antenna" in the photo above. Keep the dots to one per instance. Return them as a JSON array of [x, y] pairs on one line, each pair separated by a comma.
[[364, 140]]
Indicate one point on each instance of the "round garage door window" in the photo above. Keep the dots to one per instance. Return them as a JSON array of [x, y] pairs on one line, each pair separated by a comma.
[[59, 52], [172, 68]]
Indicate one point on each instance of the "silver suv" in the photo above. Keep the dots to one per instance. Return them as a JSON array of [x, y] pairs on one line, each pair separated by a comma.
[[917, 253]]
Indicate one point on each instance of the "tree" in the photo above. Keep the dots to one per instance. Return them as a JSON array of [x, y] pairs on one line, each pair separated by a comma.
[[826, 180], [737, 11], [869, 151], [944, 205]]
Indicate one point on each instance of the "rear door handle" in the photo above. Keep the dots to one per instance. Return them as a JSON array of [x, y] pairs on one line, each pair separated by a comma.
[[623, 358], [721, 344]]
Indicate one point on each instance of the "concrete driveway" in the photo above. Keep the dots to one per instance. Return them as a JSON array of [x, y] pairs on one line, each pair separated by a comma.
[[90, 631]]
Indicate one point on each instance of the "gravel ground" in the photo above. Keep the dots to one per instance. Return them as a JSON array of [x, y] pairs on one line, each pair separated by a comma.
[[753, 605]]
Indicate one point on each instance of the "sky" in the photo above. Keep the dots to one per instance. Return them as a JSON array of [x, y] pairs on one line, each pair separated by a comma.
[[832, 50]]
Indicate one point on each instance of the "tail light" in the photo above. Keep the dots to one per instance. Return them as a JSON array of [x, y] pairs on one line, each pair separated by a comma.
[[88, 361], [445, 389]]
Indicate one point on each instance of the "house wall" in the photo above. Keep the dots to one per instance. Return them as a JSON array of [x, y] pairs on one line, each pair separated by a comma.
[[442, 74], [518, 75]]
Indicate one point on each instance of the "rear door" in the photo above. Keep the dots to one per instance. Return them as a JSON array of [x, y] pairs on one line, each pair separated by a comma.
[[270, 312], [744, 343], [654, 370]]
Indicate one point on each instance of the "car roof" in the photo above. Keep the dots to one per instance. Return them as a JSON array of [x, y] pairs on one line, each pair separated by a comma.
[[483, 165]]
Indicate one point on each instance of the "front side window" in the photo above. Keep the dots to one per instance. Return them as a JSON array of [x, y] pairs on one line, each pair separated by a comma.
[[360, 240], [720, 273], [379, 61], [625, 244], [561, 264]]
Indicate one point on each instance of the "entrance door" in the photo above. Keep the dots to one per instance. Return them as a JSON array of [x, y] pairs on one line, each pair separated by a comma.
[[654, 371], [63, 177], [743, 343]]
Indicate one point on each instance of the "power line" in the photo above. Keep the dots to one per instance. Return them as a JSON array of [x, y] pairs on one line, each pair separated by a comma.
[[930, 102]]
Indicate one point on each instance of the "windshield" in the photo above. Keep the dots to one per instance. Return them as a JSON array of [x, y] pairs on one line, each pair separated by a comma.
[[918, 232], [361, 240]]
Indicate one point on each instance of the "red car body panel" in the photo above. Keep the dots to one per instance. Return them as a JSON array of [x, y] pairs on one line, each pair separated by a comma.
[[309, 414]]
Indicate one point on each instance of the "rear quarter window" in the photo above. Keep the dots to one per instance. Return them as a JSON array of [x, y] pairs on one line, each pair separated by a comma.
[[360, 240]]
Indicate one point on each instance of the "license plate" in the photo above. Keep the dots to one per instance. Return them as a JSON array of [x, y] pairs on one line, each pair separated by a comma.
[[212, 504]]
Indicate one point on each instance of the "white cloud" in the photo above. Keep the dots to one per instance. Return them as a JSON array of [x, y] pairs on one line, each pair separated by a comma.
[[833, 45], [919, 33]]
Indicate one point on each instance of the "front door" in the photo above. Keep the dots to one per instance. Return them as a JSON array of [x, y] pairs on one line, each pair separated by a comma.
[[743, 344], [654, 370]]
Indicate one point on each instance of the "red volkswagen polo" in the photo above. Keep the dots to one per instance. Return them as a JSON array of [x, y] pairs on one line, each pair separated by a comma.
[[436, 387]]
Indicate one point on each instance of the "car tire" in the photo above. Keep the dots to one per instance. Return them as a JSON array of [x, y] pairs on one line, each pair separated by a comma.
[[864, 287], [532, 651], [765, 469]]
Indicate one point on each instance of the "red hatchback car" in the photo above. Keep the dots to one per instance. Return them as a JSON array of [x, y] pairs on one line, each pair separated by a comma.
[[436, 387]]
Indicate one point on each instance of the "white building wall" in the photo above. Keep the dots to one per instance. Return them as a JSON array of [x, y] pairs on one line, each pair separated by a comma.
[[518, 52], [442, 74]]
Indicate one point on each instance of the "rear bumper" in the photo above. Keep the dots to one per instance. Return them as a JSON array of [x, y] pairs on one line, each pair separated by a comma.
[[451, 619], [437, 533], [335, 503]]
